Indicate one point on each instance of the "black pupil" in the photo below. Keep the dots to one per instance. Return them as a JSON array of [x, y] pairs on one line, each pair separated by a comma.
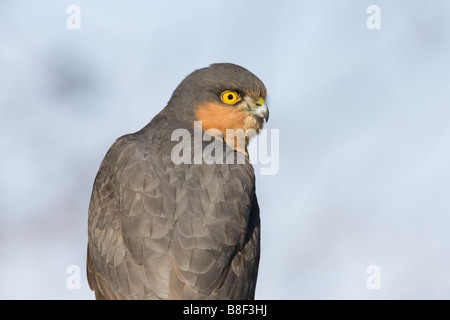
[[230, 97]]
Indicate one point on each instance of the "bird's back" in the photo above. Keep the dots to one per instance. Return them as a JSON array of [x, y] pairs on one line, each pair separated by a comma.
[[162, 230]]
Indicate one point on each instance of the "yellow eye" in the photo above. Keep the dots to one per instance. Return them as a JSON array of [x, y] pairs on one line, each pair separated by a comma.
[[230, 97]]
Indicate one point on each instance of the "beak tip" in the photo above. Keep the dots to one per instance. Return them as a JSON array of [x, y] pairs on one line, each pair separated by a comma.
[[262, 112]]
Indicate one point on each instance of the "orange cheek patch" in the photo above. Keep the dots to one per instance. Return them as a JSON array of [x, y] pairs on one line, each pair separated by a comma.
[[220, 117]]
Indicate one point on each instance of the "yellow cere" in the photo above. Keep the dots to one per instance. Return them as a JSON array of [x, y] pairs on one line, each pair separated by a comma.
[[229, 97], [260, 101]]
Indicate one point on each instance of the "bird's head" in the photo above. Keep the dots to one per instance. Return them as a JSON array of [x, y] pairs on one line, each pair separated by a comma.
[[224, 96]]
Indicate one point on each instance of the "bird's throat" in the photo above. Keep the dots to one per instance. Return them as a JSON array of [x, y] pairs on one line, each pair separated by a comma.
[[235, 125]]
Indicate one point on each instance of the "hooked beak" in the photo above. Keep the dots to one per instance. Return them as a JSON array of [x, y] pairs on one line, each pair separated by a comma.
[[261, 110]]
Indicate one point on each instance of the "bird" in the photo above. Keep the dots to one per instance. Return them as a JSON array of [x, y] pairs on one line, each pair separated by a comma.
[[169, 230]]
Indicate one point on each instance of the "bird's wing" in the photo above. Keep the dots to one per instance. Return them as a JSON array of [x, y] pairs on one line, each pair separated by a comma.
[[157, 229], [114, 271]]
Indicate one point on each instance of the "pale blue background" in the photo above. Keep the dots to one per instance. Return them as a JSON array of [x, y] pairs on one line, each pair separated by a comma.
[[363, 117]]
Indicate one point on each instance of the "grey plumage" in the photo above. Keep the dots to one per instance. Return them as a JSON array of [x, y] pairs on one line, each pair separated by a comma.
[[160, 230]]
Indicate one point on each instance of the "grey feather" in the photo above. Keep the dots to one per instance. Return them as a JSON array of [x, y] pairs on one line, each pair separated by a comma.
[[163, 231]]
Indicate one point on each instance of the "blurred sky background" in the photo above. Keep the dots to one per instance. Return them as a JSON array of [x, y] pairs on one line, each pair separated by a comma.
[[363, 117]]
